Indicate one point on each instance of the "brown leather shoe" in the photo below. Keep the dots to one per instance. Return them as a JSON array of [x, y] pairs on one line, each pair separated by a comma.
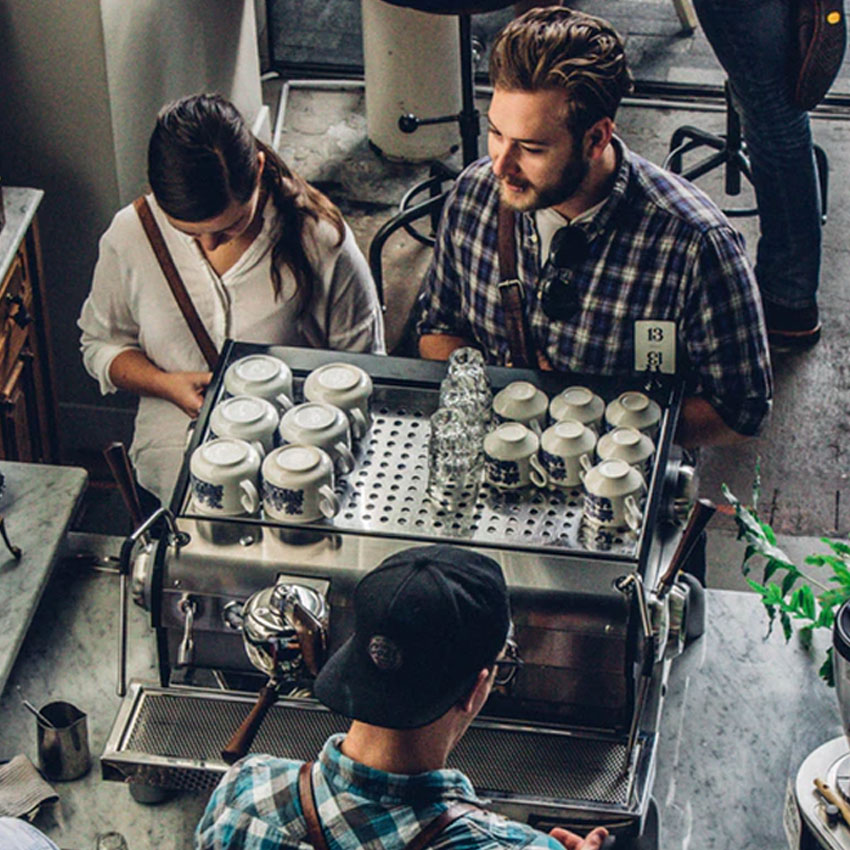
[[821, 40]]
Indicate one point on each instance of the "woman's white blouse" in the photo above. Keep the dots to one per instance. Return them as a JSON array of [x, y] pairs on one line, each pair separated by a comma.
[[131, 307]]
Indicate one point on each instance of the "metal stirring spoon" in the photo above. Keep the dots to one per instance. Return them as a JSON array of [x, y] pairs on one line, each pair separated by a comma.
[[30, 707]]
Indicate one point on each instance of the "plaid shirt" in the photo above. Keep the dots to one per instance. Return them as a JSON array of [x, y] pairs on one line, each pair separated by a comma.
[[255, 807], [658, 249]]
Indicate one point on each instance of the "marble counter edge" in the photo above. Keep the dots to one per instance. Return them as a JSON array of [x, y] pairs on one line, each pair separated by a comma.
[[40, 534], [20, 204]]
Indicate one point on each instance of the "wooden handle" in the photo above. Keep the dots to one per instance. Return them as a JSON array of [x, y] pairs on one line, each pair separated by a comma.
[[702, 511], [833, 798], [311, 637], [244, 736], [119, 463]]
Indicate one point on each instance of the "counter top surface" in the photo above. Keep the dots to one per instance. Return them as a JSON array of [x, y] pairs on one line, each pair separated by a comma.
[[742, 712], [20, 205], [38, 502]]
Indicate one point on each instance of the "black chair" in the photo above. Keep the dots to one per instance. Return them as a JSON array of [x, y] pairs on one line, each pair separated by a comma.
[[468, 121], [731, 154]]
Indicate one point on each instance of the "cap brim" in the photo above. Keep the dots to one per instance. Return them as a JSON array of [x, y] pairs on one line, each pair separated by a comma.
[[351, 685]]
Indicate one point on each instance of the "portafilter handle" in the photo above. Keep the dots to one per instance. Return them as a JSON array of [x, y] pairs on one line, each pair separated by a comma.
[[238, 746], [119, 463], [702, 511]]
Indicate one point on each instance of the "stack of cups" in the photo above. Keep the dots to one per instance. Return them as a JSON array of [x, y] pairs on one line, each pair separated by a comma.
[[466, 383], [455, 462]]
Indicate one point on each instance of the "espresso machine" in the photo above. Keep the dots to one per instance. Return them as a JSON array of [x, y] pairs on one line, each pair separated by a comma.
[[245, 610]]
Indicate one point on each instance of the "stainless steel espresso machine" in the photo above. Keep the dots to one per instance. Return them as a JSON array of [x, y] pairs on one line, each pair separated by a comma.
[[241, 604]]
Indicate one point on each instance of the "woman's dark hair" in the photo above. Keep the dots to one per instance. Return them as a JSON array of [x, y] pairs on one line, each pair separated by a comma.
[[202, 156]]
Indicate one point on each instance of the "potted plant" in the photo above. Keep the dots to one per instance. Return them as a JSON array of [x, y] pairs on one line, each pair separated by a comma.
[[796, 599]]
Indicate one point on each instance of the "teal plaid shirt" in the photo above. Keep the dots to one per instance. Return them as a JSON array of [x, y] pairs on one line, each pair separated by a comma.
[[256, 807]]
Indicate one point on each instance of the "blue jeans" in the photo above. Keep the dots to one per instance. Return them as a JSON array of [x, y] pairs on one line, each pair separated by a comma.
[[17, 834], [753, 40]]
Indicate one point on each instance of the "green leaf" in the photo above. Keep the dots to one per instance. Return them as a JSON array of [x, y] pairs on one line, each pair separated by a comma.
[[789, 581], [807, 601], [787, 629], [837, 546]]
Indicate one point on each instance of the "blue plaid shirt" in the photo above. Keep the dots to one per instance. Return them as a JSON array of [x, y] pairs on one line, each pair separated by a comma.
[[658, 249], [255, 807]]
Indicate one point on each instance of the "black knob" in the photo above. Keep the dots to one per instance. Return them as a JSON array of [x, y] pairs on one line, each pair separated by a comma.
[[408, 123], [831, 812]]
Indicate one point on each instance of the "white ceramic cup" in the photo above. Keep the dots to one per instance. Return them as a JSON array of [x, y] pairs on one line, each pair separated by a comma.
[[580, 405], [612, 492], [298, 484], [225, 476], [347, 387], [633, 409], [246, 417], [566, 449], [315, 423], [261, 375], [510, 457], [521, 401], [630, 445]]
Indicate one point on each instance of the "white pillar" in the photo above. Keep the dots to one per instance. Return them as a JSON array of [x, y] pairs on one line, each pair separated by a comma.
[[412, 65]]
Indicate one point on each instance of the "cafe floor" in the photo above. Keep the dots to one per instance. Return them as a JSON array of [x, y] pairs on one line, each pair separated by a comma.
[[321, 130]]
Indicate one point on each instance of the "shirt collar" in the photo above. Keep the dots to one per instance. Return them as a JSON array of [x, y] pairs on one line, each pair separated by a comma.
[[346, 774]]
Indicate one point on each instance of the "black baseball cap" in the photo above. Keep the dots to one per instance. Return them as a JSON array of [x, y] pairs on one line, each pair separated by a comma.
[[426, 621]]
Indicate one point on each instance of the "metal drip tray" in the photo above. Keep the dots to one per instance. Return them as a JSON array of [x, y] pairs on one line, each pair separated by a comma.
[[385, 493], [171, 738]]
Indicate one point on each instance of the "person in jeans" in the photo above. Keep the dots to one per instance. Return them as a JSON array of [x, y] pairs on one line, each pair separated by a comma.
[[431, 628], [755, 40]]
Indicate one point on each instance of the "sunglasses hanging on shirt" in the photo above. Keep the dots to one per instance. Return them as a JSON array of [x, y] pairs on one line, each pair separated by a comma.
[[569, 249]]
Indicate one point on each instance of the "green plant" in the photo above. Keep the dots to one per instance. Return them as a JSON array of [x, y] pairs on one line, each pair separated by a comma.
[[797, 598]]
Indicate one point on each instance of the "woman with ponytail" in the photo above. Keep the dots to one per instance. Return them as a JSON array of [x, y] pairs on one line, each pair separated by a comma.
[[264, 256]]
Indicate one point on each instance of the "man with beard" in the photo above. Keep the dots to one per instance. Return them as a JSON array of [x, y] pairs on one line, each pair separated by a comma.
[[617, 264]]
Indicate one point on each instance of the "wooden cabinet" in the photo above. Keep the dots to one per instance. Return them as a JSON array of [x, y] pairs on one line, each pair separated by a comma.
[[27, 398]]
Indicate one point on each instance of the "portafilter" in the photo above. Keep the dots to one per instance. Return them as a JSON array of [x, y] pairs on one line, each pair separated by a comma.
[[285, 634]]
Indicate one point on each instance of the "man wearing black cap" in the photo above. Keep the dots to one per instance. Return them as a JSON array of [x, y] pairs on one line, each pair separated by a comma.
[[431, 628]]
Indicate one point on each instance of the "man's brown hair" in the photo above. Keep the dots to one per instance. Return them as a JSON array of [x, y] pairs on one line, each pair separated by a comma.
[[559, 48]]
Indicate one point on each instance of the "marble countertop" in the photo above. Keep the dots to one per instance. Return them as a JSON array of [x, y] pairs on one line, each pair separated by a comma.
[[38, 501], [742, 711], [20, 205]]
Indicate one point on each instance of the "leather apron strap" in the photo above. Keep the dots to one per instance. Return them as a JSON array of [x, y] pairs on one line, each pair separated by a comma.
[[175, 282], [419, 841], [510, 290]]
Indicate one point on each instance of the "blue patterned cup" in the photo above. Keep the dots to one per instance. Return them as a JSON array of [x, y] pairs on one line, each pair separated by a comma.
[[224, 474], [298, 484], [510, 457], [566, 451]]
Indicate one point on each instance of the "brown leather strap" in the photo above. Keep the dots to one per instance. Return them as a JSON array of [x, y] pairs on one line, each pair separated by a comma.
[[175, 282], [308, 804], [510, 290], [422, 839], [419, 841]]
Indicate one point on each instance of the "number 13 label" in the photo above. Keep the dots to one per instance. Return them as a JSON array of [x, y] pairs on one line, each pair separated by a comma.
[[655, 346]]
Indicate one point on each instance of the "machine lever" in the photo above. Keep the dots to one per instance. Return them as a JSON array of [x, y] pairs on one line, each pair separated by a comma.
[[186, 650], [702, 511]]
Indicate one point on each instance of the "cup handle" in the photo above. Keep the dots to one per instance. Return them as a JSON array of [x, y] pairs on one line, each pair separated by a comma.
[[537, 474], [249, 498], [328, 501], [358, 423], [284, 401], [586, 465], [261, 451], [534, 425], [632, 513], [345, 456]]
